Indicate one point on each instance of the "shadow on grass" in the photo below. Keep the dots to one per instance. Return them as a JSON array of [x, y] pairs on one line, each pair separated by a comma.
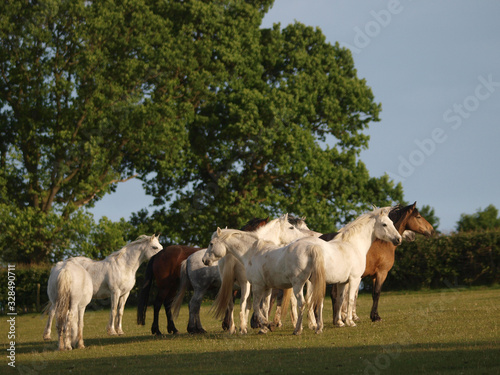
[[448, 358]]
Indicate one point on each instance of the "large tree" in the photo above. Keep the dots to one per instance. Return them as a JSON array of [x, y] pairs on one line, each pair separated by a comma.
[[282, 134], [93, 93]]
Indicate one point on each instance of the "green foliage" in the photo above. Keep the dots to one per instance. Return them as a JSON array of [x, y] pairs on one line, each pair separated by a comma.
[[95, 93], [481, 220], [471, 258], [31, 282], [29, 235]]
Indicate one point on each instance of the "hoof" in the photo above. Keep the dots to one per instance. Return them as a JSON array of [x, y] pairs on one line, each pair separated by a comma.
[[376, 318]]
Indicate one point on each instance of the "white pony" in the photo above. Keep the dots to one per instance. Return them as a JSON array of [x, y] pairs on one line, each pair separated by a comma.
[[70, 291], [269, 266], [279, 232], [345, 257], [114, 277]]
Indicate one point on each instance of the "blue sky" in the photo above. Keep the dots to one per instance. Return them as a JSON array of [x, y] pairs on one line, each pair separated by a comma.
[[435, 68]]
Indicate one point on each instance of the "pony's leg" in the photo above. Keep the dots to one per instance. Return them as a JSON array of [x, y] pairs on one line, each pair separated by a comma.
[[230, 317], [337, 318], [293, 309], [160, 297], [168, 311], [71, 329], [355, 316], [266, 302], [112, 315], [228, 322], [80, 344], [378, 281], [48, 327], [353, 287], [343, 309], [310, 309], [258, 296], [298, 290], [333, 294], [276, 295], [119, 315], [194, 324], [244, 311], [61, 334], [319, 318]]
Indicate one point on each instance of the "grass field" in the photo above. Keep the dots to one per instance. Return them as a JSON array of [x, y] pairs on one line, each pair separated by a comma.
[[452, 331]]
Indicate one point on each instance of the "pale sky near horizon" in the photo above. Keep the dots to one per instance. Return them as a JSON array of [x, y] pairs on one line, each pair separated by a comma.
[[435, 68]]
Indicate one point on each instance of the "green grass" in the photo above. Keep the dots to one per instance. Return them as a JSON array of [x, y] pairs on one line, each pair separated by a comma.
[[437, 332]]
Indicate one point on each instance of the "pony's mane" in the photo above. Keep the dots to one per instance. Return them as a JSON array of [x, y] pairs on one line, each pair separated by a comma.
[[355, 226], [140, 239], [296, 221], [226, 233], [254, 224], [398, 213]]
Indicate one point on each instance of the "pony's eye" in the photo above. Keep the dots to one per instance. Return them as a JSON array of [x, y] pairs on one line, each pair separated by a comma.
[[384, 225], [292, 227], [155, 247]]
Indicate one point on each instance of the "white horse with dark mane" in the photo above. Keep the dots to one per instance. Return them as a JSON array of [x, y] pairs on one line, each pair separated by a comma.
[[70, 291], [114, 277]]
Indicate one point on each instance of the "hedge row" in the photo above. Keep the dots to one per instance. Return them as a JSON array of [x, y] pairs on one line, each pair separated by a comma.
[[464, 259], [437, 262]]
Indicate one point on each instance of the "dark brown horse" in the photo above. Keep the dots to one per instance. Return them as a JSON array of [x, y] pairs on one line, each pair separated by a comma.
[[165, 268], [380, 257]]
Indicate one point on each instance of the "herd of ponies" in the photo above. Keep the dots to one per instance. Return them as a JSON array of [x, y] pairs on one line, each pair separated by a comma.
[[267, 258]]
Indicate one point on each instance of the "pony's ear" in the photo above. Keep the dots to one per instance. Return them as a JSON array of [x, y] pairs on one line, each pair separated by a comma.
[[385, 211], [219, 231], [414, 205]]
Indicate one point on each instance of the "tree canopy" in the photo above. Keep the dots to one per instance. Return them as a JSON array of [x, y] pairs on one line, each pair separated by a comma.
[[282, 135], [481, 220], [222, 120]]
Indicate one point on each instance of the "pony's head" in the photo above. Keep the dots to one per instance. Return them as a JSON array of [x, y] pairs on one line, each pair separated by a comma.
[[384, 227], [288, 232], [217, 248], [408, 218], [153, 245]]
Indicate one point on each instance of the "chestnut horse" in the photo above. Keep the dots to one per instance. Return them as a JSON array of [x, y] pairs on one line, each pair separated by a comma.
[[165, 267], [380, 257]]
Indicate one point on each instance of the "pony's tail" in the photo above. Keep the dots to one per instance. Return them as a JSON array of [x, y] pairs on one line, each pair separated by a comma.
[[63, 298], [184, 284], [318, 278], [285, 301], [142, 303], [225, 294]]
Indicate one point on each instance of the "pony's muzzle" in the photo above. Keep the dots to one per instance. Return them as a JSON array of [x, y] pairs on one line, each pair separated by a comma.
[[207, 262], [396, 241]]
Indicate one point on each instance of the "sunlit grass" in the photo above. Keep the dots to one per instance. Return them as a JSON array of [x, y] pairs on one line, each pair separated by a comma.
[[442, 332]]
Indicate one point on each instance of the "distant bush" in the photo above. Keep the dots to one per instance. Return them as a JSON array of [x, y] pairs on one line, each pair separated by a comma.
[[31, 283], [471, 258]]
